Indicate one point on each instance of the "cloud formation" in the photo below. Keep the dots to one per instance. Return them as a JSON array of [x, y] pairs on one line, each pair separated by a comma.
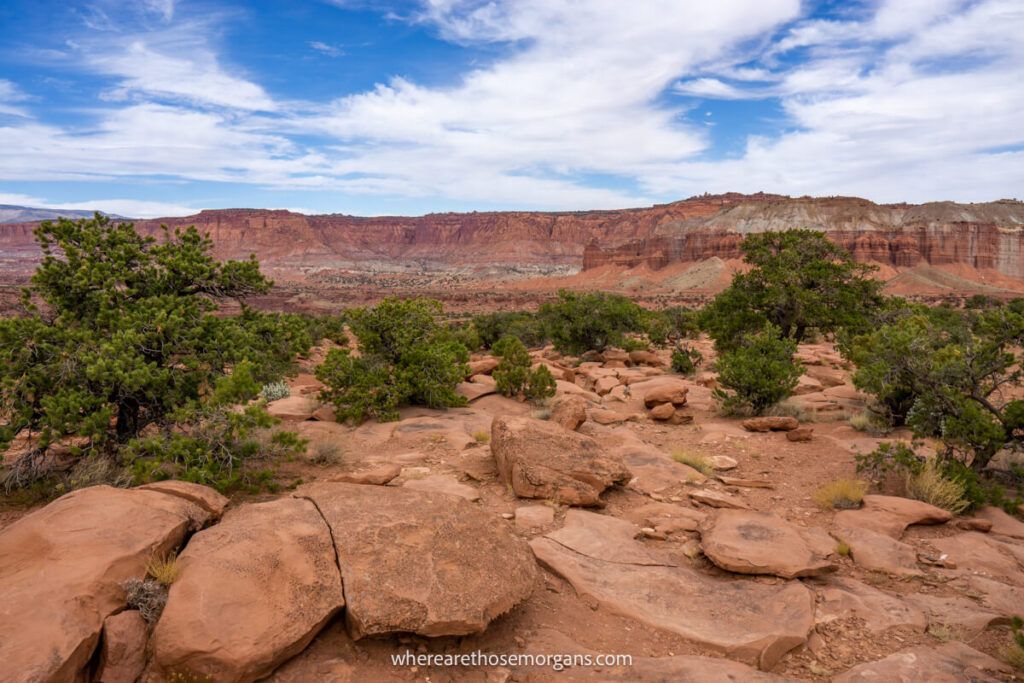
[[581, 104]]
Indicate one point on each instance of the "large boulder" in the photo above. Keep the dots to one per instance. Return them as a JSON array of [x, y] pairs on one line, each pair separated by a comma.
[[420, 562], [873, 550], [569, 411], [61, 570], [293, 408], [252, 591], [667, 390], [750, 542], [542, 460]]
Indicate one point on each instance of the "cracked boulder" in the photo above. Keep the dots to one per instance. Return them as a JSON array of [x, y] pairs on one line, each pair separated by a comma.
[[748, 542], [62, 566], [543, 460], [252, 591], [745, 619], [421, 562]]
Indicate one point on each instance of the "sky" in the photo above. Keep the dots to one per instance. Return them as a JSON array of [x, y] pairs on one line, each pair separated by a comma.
[[164, 107]]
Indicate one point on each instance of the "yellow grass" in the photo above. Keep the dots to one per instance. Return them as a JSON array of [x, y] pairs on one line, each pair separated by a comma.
[[694, 460], [164, 570], [482, 436], [931, 486], [841, 493]]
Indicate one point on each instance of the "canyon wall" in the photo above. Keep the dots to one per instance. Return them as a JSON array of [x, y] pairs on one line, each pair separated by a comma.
[[985, 236]]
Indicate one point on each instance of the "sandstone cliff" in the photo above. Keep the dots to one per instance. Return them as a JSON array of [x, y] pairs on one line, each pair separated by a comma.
[[292, 246]]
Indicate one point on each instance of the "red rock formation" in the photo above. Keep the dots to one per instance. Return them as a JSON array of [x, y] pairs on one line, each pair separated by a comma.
[[291, 246]]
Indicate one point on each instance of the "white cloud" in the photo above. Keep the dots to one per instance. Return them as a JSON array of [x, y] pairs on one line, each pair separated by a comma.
[[327, 49], [583, 105], [9, 94], [131, 208]]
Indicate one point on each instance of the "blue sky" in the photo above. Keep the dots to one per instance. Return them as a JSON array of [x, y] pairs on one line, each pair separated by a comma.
[[164, 107]]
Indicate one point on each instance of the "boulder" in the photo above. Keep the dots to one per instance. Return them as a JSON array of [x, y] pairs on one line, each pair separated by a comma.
[[952, 662], [471, 391], [800, 435], [610, 417], [484, 366], [745, 620], [770, 424], [891, 515], [569, 412], [807, 385], [543, 460], [421, 562], [293, 408], [604, 385], [668, 390], [749, 542], [123, 648], [615, 356], [325, 413], [252, 592], [723, 463], [62, 566], [206, 498], [663, 411], [645, 358]]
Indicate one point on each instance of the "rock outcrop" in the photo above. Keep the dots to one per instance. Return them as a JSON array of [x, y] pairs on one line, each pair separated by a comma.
[[419, 562], [543, 460], [252, 592], [61, 570], [749, 542]]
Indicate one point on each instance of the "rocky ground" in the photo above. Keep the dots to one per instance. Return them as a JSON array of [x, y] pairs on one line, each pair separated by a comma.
[[505, 529]]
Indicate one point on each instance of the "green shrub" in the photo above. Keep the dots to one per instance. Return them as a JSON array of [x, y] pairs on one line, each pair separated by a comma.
[[214, 443], [513, 375], [541, 384], [406, 358], [492, 327], [128, 338], [759, 373], [800, 281], [591, 321], [685, 360]]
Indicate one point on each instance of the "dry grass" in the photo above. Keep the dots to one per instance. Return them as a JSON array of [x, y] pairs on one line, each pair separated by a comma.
[[869, 423], [541, 414], [325, 453], [931, 486], [165, 571], [698, 462], [482, 436], [842, 548], [147, 596], [841, 494]]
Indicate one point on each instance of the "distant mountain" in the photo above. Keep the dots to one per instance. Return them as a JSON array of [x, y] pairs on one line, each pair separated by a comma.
[[10, 213]]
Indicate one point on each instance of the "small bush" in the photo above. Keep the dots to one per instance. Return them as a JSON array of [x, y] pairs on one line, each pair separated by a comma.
[[482, 436], [685, 360], [147, 596], [698, 462], [164, 570], [633, 344], [492, 327], [273, 391], [513, 375], [759, 373], [325, 453], [930, 485], [406, 358], [843, 549], [841, 494]]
